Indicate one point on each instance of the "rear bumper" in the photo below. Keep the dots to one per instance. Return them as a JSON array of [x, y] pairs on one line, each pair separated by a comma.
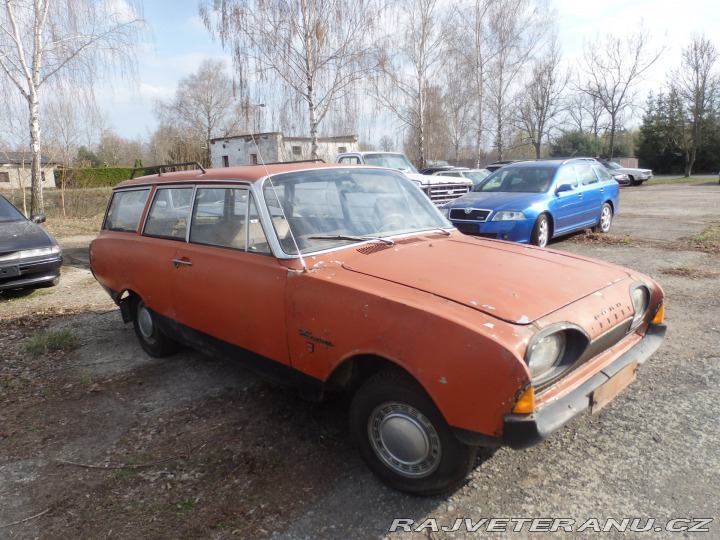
[[522, 431]]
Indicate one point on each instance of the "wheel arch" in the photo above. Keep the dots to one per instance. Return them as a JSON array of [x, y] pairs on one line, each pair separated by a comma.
[[355, 370]]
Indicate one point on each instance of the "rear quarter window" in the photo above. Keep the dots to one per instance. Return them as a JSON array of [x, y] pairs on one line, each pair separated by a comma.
[[125, 211]]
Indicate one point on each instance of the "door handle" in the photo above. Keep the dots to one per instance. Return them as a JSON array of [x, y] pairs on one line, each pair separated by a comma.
[[178, 262]]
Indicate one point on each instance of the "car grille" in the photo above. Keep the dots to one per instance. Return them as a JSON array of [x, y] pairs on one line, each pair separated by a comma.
[[440, 194], [473, 215]]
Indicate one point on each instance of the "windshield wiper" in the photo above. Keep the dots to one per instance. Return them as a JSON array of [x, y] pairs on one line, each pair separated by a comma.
[[385, 241]]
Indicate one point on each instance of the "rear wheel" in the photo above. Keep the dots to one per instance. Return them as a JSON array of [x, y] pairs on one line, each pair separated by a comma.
[[541, 231], [605, 220], [151, 338], [404, 439]]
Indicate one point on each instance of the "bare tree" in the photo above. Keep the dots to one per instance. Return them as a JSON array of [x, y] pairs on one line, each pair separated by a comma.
[[696, 88], [45, 42], [472, 42], [614, 69], [410, 64], [205, 105], [541, 100], [585, 112], [518, 28], [315, 48]]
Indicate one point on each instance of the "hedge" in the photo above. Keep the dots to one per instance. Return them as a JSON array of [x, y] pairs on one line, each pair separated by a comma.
[[92, 177]]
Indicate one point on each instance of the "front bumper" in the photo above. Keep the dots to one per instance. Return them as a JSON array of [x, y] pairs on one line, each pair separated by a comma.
[[522, 431], [30, 273], [513, 231]]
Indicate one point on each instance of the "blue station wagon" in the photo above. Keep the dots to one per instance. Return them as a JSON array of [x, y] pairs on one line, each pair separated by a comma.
[[534, 201]]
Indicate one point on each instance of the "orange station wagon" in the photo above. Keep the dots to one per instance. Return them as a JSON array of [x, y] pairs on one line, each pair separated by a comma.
[[347, 278]]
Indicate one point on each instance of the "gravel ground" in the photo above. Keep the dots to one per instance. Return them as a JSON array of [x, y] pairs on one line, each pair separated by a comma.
[[104, 442]]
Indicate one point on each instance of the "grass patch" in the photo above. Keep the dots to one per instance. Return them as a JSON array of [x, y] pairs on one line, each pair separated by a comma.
[[51, 340], [678, 180], [689, 272], [708, 240]]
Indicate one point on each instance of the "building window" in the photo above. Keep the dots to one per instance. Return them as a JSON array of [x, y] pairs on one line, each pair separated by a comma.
[[342, 149], [42, 176], [253, 159], [226, 161], [297, 150], [4, 177]]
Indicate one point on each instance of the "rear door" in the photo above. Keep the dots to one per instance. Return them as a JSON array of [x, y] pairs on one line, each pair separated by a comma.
[[592, 194]]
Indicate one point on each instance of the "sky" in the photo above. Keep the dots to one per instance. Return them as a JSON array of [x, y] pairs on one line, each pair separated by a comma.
[[180, 42]]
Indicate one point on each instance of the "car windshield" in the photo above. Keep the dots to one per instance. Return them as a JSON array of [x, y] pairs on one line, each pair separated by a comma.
[[477, 176], [322, 209], [8, 213], [391, 161], [511, 179], [611, 165]]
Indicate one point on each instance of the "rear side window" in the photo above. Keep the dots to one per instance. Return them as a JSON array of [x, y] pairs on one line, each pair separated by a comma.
[[125, 211], [602, 173], [585, 173], [170, 213]]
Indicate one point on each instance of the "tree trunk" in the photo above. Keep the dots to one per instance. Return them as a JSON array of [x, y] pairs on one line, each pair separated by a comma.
[[36, 200]]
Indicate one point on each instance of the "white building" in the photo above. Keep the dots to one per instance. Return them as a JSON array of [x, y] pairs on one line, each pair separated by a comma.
[[274, 147], [15, 170]]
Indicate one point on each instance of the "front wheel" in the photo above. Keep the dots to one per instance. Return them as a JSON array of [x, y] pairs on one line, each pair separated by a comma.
[[605, 220], [403, 438], [541, 231], [151, 338]]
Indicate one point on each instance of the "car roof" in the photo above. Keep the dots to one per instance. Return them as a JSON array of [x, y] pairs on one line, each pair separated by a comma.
[[247, 173]]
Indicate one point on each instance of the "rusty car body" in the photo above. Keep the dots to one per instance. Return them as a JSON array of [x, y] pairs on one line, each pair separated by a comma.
[[328, 277]]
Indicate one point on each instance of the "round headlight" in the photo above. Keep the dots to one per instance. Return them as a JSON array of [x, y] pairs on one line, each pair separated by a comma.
[[640, 297], [546, 353]]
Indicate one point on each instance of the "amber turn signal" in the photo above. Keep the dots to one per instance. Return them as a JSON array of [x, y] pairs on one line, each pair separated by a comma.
[[526, 403], [659, 315]]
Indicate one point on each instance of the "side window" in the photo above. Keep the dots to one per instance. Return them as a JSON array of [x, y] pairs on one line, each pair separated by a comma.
[[227, 217], [566, 175], [169, 213], [585, 173], [602, 173], [350, 160], [125, 210]]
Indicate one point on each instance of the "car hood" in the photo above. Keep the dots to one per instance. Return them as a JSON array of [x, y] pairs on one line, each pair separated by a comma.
[[493, 200], [18, 235], [508, 281]]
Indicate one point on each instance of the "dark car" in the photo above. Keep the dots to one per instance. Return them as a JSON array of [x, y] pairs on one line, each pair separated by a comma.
[[534, 201], [29, 257]]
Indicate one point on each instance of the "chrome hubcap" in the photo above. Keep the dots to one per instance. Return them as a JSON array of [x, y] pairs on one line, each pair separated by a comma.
[[605, 219], [404, 439], [145, 322], [543, 233]]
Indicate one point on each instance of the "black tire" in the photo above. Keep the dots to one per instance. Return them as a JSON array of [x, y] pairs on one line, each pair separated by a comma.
[[605, 221], [151, 338], [541, 231], [403, 438], [634, 182]]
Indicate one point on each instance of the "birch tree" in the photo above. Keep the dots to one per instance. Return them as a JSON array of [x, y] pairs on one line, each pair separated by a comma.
[[315, 49], [62, 42], [410, 64]]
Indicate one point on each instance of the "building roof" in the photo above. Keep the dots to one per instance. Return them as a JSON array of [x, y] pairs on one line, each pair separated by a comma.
[[20, 158]]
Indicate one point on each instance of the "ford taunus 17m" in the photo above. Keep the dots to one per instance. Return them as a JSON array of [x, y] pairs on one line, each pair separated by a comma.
[[347, 278]]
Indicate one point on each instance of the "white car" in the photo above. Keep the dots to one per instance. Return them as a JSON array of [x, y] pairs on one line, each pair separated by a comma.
[[636, 176]]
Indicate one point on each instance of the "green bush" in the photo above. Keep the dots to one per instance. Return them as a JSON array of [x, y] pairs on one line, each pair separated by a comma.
[[92, 177]]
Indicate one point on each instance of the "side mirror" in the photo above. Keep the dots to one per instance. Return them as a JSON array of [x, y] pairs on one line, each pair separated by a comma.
[[564, 187], [38, 218]]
